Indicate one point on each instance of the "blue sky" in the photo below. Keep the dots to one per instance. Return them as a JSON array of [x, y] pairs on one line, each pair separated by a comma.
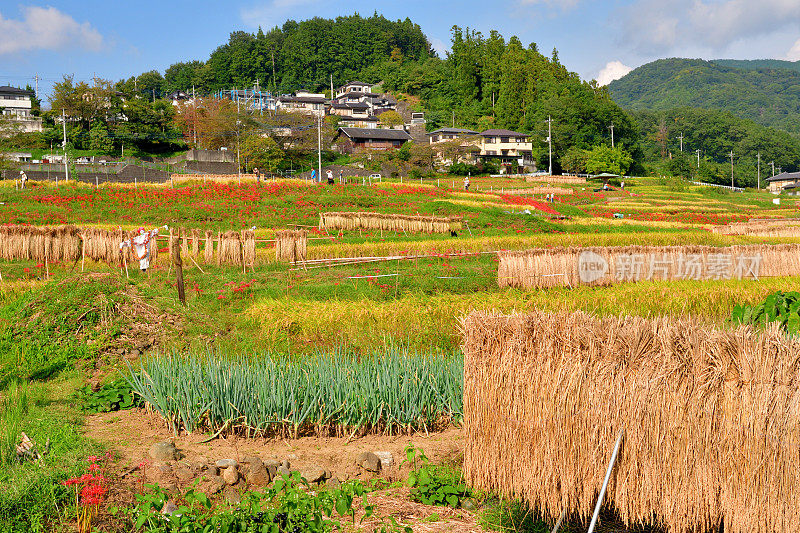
[[597, 39]]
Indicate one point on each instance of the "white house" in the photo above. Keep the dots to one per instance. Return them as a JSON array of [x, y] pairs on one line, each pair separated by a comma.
[[16, 104]]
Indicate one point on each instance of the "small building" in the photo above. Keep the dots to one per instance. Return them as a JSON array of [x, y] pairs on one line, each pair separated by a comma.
[[303, 102], [17, 157], [353, 87], [179, 97], [783, 181], [358, 122], [349, 140], [449, 134], [17, 104], [506, 146]]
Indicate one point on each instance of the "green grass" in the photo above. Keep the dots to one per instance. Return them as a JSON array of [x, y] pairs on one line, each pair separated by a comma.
[[32, 499]]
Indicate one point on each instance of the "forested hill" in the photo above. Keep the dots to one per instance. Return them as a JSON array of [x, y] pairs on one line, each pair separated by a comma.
[[768, 96], [758, 64], [296, 55]]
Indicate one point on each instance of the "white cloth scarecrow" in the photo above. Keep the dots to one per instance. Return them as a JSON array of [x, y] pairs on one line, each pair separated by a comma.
[[142, 244]]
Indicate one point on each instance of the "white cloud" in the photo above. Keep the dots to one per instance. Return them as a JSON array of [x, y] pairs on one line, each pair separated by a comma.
[[794, 52], [657, 27], [613, 70], [439, 46], [46, 29]]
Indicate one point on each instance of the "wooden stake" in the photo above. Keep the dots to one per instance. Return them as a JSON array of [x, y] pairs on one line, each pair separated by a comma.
[[195, 264], [176, 260], [83, 253]]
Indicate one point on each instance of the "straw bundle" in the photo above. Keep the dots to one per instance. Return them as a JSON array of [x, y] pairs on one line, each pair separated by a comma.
[[248, 238], [219, 248], [711, 419], [558, 191], [556, 267], [208, 252], [195, 242], [787, 227], [291, 246], [555, 179], [230, 250], [44, 244], [383, 222], [184, 244]]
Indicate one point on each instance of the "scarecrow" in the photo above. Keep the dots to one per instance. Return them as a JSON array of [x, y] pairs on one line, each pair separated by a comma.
[[141, 244]]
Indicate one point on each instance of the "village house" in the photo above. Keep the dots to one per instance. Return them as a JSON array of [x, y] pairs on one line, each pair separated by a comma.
[[450, 134], [16, 105], [349, 140], [783, 181], [356, 99], [506, 147], [303, 102]]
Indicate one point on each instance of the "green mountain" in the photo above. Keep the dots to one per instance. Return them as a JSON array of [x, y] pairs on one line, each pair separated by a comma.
[[768, 96], [758, 64]]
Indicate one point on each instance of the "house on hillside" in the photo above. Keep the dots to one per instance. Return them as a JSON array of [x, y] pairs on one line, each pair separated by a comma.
[[349, 140], [450, 134], [506, 147], [783, 181], [16, 106], [179, 97], [360, 94], [305, 102], [358, 87]]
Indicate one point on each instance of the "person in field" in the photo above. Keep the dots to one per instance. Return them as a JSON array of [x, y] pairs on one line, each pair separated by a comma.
[[23, 178], [466, 183], [329, 174], [257, 174], [341, 176], [313, 174]]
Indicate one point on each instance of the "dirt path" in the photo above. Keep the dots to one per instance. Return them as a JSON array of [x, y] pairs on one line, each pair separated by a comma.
[[129, 435]]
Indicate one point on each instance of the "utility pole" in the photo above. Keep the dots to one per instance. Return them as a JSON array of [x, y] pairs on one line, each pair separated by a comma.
[[319, 146], [773, 168], [66, 165], [36, 77], [550, 142], [731, 154], [758, 186], [681, 138], [698, 158], [332, 94], [611, 127], [238, 157], [194, 116]]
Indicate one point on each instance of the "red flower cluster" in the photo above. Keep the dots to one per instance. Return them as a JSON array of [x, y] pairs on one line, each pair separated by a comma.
[[90, 490]]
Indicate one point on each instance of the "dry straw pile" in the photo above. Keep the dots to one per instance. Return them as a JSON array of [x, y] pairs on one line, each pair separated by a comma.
[[60, 243], [557, 267], [398, 223], [291, 245], [558, 191], [555, 179], [788, 227], [711, 419]]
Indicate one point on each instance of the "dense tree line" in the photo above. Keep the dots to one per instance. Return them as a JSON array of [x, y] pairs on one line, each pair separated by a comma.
[[296, 55], [488, 82], [716, 134], [768, 96]]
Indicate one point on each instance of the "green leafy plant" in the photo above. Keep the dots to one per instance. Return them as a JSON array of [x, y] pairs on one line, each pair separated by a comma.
[[113, 396], [286, 507], [782, 307], [432, 484]]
